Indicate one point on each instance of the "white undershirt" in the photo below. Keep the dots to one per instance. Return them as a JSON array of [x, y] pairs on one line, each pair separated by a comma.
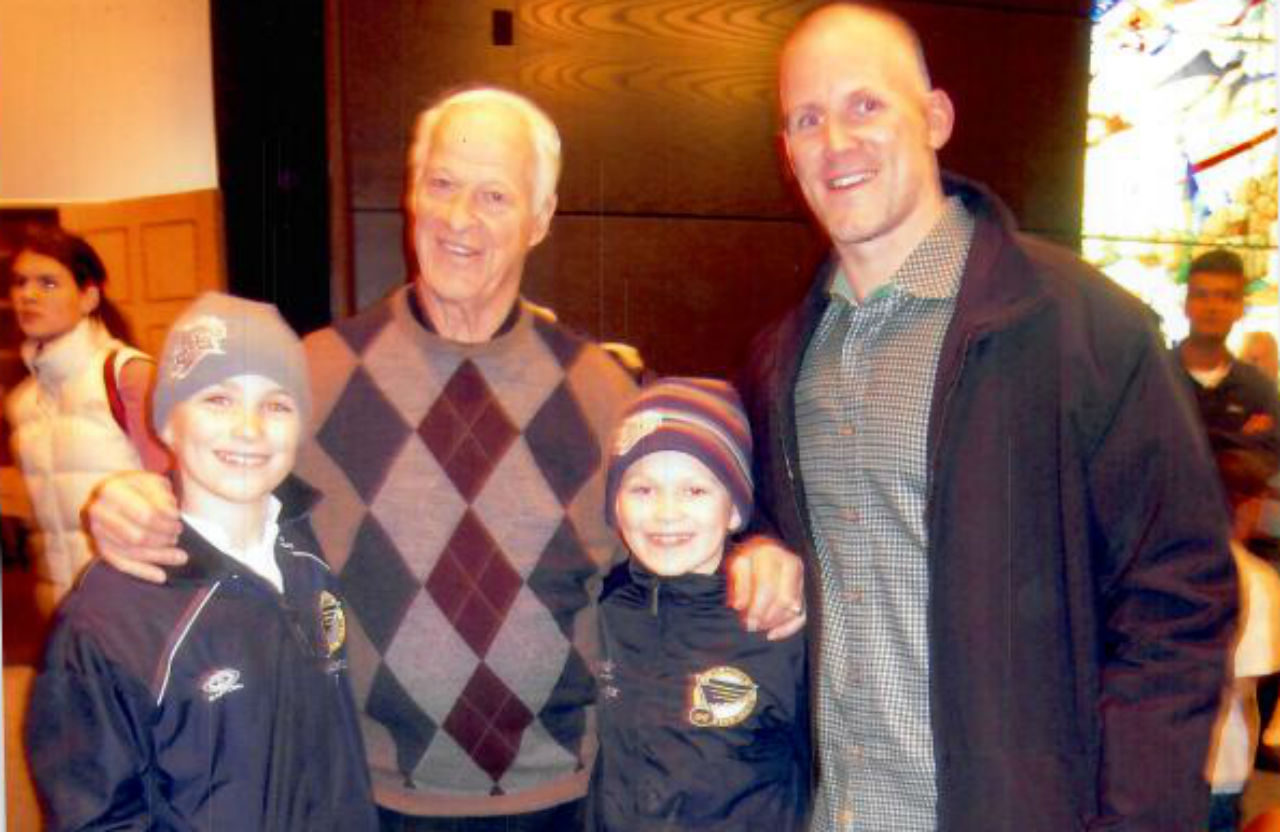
[[261, 556], [1209, 379]]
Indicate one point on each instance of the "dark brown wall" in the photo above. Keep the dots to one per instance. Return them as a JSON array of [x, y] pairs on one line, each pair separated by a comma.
[[676, 230]]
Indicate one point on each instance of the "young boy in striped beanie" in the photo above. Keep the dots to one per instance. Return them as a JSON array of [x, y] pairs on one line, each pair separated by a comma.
[[702, 724]]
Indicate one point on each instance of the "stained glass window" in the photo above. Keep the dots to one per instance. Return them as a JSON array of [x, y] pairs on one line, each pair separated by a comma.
[[1182, 147]]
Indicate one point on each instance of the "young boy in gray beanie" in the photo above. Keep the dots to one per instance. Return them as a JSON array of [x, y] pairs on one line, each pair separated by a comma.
[[702, 724], [218, 700]]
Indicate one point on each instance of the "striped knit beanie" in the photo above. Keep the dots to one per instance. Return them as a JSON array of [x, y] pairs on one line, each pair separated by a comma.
[[699, 416]]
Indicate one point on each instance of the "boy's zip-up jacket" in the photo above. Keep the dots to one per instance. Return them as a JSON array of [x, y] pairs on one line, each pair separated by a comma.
[[212, 702], [703, 725]]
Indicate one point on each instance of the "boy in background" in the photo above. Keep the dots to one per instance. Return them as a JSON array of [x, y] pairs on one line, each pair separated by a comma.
[[220, 699], [701, 723]]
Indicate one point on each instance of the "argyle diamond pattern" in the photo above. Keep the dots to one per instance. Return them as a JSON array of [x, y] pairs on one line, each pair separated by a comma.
[[363, 418], [467, 430], [563, 346], [467, 481], [389, 704], [378, 588], [561, 576], [554, 437], [473, 584], [487, 722]]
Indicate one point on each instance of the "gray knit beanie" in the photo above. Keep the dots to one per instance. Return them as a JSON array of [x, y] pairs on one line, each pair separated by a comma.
[[220, 336]]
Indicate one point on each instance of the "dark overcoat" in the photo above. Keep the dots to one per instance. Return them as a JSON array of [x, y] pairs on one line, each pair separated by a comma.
[[1082, 594]]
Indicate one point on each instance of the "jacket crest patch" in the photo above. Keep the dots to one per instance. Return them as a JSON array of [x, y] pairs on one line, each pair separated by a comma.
[[333, 622], [206, 335], [721, 697], [219, 683]]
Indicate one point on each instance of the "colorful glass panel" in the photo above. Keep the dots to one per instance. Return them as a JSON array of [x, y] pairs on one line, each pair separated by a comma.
[[1182, 145]]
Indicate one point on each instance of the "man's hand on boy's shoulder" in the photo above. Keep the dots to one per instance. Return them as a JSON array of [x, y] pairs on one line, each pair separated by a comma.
[[766, 585], [134, 521]]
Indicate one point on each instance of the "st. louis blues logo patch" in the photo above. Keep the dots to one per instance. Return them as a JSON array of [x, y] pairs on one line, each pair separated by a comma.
[[206, 335], [333, 622], [721, 697]]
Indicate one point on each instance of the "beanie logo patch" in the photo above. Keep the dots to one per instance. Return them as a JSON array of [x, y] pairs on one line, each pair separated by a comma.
[[636, 427], [721, 697], [204, 336]]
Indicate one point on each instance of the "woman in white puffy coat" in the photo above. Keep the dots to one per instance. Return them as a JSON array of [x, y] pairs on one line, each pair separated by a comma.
[[81, 414]]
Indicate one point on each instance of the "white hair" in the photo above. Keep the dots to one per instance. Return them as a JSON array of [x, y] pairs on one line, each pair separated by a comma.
[[542, 131]]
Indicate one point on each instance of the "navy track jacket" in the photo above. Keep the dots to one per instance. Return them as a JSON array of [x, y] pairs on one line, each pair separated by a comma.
[[212, 702], [703, 725]]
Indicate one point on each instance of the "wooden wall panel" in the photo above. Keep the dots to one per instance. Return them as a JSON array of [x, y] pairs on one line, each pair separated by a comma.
[[667, 113], [160, 253], [688, 294], [379, 254]]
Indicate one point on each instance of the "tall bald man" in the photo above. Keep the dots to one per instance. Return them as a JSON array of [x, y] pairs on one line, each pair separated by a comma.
[[1021, 592]]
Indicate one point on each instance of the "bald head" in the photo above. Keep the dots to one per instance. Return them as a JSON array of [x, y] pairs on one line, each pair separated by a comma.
[[849, 24], [862, 129]]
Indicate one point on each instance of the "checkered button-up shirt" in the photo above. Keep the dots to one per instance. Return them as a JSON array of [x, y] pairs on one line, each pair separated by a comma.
[[862, 411]]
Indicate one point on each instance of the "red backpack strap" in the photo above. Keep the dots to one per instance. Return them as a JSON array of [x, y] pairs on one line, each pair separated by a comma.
[[113, 390]]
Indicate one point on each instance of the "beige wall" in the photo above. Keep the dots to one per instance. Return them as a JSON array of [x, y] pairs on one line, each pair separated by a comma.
[[105, 99]]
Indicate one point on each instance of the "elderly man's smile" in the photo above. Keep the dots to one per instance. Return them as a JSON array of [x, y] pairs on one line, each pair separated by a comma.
[[457, 249]]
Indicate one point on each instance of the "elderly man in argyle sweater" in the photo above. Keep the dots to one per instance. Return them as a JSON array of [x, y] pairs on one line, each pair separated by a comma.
[[458, 446]]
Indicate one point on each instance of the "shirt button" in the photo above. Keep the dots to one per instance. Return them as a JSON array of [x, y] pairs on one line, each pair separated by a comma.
[[850, 515], [846, 817], [853, 596], [846, 430]]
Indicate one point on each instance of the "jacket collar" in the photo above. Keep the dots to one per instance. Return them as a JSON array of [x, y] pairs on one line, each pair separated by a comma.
[[207, 563], [689, 585], [988, 298], [999, 285], [55, 361]]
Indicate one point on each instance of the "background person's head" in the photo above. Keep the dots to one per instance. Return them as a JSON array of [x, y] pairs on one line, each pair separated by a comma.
[[679, 474], [231, 400], [1215, 294], [1244, 475], [1259, 349], [862, 127], [55, 280], [480, 194]]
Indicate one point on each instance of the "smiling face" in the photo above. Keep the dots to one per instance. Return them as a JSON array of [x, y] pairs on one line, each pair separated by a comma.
[[234, 442], [46, 300], [474, 219], [674, 514], [862, 131]]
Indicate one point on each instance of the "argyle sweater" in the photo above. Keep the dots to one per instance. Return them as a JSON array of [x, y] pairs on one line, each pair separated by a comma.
[[462, 512]]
